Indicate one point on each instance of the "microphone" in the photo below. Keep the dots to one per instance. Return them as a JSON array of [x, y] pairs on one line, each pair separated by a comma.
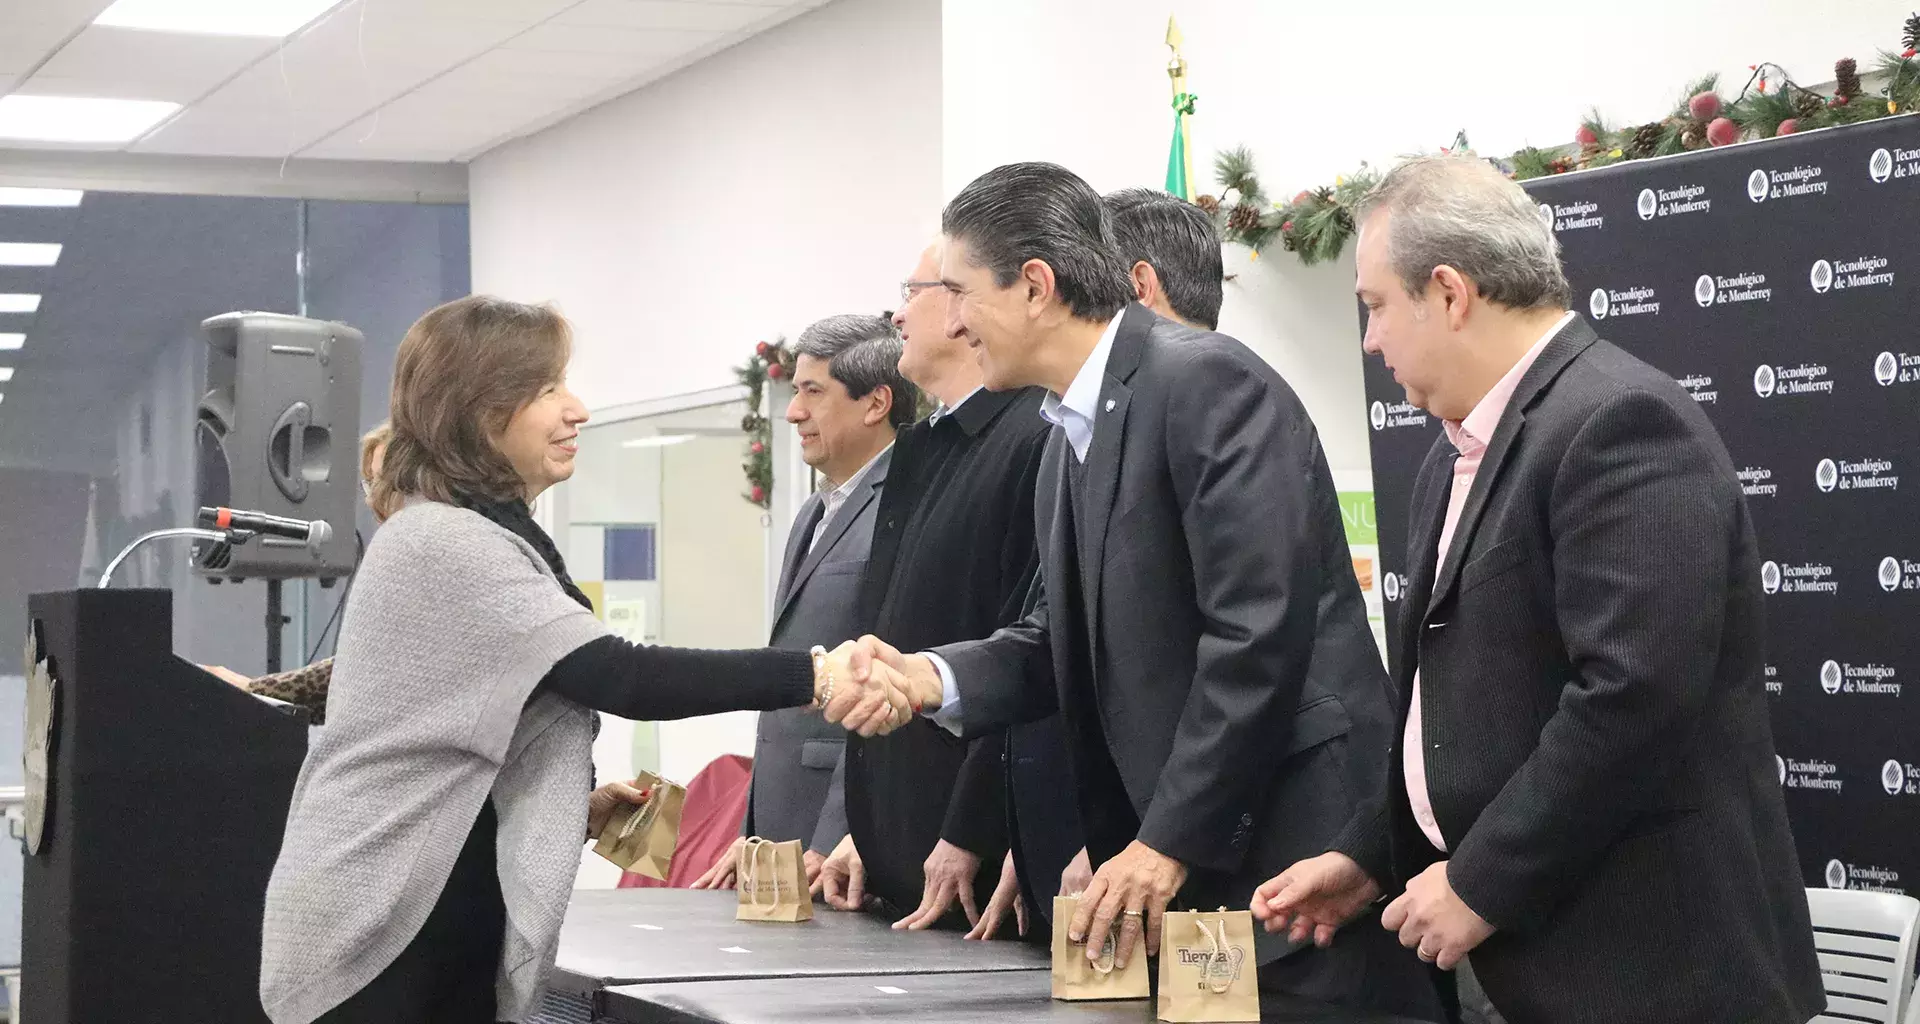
[[312, 532]]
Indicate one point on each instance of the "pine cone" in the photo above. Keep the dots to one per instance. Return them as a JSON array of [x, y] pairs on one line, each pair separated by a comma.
[[1645, 140], [1846, 79], [1208, 203], [1245, 217], [1809, 105], [1911, 37]]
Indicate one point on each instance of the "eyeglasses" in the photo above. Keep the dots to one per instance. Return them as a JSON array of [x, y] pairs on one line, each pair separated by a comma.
[[908, 289]]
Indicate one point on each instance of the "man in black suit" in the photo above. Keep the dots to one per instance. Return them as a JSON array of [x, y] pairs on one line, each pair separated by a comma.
[[1172, 252], [953, 558], [848, 401], [1197, 625], [1583, 802]]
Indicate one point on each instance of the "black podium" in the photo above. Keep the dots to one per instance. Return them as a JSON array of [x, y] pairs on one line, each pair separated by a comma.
[[166, 798]]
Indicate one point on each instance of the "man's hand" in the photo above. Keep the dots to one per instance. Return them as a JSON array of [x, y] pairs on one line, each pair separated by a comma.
[[605, 800], [918, 678], [1133, 887], [1077, 875], [949, 872], [813, 862], [843, 879], [1433, 921], [1005, 894], [1314, 897], [863, 694], [721, 874]]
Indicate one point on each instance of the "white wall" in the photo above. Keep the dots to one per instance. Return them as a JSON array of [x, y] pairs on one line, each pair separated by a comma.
[[794, 176], [1313, 89]]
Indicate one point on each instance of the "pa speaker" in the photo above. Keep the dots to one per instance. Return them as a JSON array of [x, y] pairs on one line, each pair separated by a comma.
[[278, 431]]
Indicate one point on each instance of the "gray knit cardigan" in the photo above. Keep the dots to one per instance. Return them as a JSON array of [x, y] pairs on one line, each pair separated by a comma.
[[454, 620]]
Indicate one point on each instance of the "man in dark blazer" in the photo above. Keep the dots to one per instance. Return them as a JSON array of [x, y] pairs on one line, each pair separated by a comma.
[[849, 399], [1197, 624], [1583, 803], [1172, 252]]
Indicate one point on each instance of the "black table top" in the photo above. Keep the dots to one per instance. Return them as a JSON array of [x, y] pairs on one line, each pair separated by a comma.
[[625, 936], [920, 998]]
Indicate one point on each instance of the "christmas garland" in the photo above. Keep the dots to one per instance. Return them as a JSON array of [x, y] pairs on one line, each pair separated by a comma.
[[771, 360], [1316, 223]]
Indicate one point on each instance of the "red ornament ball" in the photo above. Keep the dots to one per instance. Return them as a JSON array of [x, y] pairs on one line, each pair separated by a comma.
[[760, 494], [1722, 132], [762, 349], [775, 371], [757, 448], [1704, 106], [1788, 127], [1302, 197], [1286, 226], [1585, 136]]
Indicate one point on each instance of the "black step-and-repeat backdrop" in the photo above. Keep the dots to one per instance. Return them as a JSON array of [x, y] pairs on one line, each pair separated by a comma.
[[1779, 283]]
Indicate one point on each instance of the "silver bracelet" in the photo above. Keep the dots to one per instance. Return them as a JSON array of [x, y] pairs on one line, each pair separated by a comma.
[[820, 667]]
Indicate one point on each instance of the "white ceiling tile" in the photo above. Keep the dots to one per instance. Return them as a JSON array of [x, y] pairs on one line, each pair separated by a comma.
[[512, 59], [666, 14], [144, 65], [32, 29], [556, 35]]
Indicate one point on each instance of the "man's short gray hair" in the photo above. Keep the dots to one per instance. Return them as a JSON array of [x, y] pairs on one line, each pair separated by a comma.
[[1461, 212], [862, 352]]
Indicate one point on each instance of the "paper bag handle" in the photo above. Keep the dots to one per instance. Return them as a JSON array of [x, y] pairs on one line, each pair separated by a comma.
[[1218, 981], [754, 845]]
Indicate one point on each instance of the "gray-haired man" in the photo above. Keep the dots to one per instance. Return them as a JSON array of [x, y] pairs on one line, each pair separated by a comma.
[[848, 399], [1582, 803]]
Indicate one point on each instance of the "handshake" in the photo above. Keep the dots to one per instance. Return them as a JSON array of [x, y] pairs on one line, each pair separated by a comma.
[[871, 688]]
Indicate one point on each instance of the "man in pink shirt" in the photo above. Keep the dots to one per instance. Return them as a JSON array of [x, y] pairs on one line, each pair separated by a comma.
[[1585, 801]]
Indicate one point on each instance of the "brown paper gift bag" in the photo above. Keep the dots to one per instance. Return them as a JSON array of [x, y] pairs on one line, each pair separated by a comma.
[[773, 882], [1076, 977], [642, 842], [1207, 967]]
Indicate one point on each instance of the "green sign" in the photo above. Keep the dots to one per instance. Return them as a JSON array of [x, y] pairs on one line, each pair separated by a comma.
[[1356, 510]]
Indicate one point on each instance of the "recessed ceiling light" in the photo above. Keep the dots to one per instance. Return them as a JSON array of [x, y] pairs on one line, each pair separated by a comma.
[[6, 374], [78, 118], [9, 342], [266, 18], [12, 196], [657, 440], [29, 254], [16, 302]]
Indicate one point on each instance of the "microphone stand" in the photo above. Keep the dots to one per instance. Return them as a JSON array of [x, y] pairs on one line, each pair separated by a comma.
[[224, 541]]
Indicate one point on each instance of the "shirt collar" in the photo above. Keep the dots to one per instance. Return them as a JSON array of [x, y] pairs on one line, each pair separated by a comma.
[[943, 410], [842, 492], [1083, 395], [1476, 431]]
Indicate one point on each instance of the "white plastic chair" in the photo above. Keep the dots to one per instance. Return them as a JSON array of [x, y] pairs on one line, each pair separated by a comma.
[[1866, 944]]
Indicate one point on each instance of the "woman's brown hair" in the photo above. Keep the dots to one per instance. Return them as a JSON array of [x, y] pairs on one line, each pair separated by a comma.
[[463, 370]]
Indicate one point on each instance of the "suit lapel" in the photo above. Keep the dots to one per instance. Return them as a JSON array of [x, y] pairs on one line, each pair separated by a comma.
[[1109, 440], [808, 521], [831, 529], [1429, 508], [1570, 342]]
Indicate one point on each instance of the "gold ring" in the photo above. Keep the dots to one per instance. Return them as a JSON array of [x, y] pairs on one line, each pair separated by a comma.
[[1131, 913]]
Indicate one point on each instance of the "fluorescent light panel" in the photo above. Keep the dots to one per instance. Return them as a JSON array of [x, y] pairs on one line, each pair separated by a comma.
[[269, 19], [78, 118], [11, 196], [9, 342], [29, 254], [18, 302], [657, 440], [6, 374]]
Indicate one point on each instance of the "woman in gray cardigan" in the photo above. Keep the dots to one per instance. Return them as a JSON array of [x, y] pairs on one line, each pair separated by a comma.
[[436, 826]]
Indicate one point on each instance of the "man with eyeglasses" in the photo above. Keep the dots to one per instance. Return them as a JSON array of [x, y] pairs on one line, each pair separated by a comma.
[[953, 556]]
